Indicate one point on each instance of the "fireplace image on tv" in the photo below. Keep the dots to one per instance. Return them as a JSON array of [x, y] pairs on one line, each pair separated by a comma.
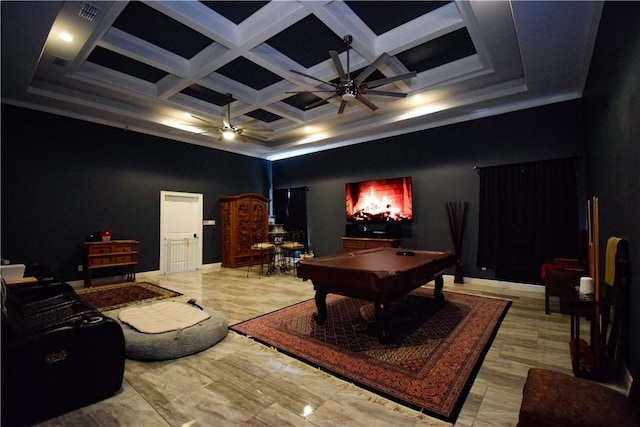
[[379, 201]]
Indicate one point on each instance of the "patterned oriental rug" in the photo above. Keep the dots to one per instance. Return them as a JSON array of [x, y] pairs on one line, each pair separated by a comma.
[[111, 297], [430, 364]]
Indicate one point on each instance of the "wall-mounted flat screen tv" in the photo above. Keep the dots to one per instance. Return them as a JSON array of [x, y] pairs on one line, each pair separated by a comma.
[[382, 200]]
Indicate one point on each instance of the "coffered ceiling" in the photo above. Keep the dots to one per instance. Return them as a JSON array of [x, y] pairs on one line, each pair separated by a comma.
[[165, 67]]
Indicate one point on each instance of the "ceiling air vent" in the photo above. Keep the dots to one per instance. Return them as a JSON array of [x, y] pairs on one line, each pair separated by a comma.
[[88, 12], [59, 61]]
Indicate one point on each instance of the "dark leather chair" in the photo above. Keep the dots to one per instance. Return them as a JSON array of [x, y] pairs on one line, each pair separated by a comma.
[[58, 352]]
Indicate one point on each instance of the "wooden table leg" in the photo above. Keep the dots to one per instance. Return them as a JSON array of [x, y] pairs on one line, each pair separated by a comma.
[[87, 276], [383, 321], [321, 306], [437, 290]]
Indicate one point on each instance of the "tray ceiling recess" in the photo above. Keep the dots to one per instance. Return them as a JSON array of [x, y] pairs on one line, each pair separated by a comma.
[[166, 68]]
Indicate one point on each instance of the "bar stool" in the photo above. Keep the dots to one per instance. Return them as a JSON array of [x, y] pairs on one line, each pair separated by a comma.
[[262, 249]]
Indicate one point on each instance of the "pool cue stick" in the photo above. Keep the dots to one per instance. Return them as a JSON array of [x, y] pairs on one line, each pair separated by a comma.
[[590, 228], [596, 245]]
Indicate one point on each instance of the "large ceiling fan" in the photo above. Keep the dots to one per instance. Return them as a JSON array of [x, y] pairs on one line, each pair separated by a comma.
[[349, 89], [229, 131]]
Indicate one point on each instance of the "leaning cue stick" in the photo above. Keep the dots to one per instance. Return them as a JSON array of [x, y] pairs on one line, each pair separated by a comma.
[[597, 344], [596, 246], [590, 228]]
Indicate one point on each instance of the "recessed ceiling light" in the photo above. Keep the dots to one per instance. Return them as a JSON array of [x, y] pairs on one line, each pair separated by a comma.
[[66, 36]]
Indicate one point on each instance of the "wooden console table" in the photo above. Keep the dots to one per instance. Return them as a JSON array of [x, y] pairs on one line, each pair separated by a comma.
[[350, 244], [114, 253]]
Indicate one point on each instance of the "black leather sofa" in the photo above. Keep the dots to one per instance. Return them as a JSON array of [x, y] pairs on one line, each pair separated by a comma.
[[58, 352]]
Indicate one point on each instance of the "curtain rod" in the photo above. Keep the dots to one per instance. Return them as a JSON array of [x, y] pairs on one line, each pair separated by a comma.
[[306, 187], [477, 168]]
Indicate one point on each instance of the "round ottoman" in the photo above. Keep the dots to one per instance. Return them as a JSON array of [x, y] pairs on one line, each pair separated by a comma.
[[177, 343]]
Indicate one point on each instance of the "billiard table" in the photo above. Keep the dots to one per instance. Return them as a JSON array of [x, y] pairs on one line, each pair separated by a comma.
[[379, 275]]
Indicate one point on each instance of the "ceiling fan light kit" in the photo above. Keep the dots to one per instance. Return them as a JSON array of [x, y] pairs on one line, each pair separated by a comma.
[[349, 89], [228, 131]]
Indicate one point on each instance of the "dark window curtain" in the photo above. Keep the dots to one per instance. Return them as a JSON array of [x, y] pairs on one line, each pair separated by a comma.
[[528, 215], [290, 209], [280, 205]]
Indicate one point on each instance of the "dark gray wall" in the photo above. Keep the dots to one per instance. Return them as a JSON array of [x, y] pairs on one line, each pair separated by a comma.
[[63, 179], [441, 162], [612, 112]]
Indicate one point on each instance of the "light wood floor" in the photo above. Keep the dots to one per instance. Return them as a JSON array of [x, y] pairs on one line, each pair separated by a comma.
[[239, 382]]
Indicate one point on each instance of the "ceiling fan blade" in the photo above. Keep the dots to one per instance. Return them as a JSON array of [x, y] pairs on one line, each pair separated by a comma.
[[314, 78], [205, 132], [343, 105], [213, 128], [201, 119], [257, 130], [246, 138], [373, 66], [385, 93], [366, 102], [337, 64], [257, 127], [380, 82], [225, 120], [310, 91], [319, 102]]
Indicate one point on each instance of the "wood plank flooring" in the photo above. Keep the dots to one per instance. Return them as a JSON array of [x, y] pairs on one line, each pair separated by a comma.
[[242, 383]]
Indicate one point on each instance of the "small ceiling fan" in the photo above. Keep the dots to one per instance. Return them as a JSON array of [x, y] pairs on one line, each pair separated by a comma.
[[349, 89], [229, 131]]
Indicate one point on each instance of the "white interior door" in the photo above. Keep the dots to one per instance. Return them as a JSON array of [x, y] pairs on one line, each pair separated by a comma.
[[180, 231]]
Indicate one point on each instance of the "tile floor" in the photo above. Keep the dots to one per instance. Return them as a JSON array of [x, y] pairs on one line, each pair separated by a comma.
[[239, 382]]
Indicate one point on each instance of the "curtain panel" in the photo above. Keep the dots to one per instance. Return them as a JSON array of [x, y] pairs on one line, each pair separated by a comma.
[[528, 215], [290, 209]]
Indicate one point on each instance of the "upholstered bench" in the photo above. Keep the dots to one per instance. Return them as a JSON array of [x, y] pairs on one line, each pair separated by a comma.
[[172, 344], [555, 399]]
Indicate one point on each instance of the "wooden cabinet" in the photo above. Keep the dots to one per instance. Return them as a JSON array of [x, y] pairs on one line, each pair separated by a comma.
[[243, 217], [350, 244], [114, 253]]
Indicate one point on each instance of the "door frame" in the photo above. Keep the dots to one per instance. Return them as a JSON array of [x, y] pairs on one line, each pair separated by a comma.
[[199, 203]]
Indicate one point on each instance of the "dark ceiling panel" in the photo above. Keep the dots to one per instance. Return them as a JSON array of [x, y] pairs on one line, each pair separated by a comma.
[[450, 47], [302, 100], [307, 42], [157, 28], [123, 64], [207, 95], [235, 11], [382, 16], [263, 116], [249, 73]]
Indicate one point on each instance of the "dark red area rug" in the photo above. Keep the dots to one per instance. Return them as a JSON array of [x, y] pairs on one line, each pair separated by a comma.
[[430, 364], [111, 297]]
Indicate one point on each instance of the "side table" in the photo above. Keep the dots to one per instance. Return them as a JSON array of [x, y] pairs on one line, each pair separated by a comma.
[[113, 253]]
